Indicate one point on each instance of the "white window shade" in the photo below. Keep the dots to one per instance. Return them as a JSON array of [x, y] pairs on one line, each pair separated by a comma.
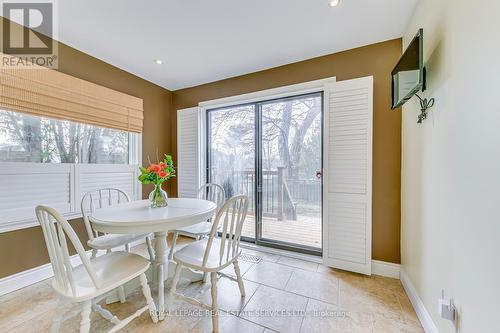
[[26, 185], [61, 186], [91, 177]]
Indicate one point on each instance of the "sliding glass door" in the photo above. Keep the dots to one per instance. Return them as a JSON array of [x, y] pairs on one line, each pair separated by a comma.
[[231, 155], [272, 152], [291, 167]]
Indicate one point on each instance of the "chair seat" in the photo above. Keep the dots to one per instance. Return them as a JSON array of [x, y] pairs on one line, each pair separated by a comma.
[[110, 241], [199, 229], [112, 269], [192, 254]]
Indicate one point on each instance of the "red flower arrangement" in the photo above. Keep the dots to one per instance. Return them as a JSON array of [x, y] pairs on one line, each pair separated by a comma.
[[157, 173]]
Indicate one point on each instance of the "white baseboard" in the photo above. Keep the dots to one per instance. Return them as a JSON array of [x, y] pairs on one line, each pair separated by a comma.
[[31, 276], [384, 268], [422, 313]]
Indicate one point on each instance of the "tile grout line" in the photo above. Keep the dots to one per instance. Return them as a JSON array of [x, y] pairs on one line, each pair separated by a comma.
[[400, 308], [244, 319], [289, 278], [258, 324], [246, 303], [72, 313], [291, 292], [288, 254], [304, 317], [304, 269], [296, 294], [286, 265]]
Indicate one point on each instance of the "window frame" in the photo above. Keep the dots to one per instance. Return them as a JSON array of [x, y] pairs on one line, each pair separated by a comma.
[[132, 138], [259, 238], [23, 222], [281, 93]]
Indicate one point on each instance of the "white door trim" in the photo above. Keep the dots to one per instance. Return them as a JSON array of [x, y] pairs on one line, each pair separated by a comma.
[[275, 93]]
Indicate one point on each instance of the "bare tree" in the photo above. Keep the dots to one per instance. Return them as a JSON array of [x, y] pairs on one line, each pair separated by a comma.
[[66, 137], [292, 120], [285, 127], [44, 140], [26, 131], [312, 113]]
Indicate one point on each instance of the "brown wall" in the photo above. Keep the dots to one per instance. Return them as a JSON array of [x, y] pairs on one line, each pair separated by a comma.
[[28, 244], [157, 101], [159, 104], [377, 60]]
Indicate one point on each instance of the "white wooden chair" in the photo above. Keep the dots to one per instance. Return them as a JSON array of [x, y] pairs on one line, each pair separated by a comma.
[[211, 255], [99, 199], [212, 192], [92, 280]]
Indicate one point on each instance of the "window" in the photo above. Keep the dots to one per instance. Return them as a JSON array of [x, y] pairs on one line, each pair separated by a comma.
[[231, 155], [27, 138], [271, 150], [54, 162]]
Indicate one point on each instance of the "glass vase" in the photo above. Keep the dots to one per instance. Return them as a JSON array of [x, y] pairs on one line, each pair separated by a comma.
[[158, 197]]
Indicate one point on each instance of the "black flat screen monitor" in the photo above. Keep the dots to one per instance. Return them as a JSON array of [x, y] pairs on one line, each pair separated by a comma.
[[408, 77]]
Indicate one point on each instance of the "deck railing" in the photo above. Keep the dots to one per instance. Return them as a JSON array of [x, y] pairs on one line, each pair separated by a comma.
[[279, 195]]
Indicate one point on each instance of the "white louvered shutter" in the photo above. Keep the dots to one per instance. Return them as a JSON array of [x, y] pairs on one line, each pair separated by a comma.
[[189, 153], [347, 231], [91, 177], [23, 186]]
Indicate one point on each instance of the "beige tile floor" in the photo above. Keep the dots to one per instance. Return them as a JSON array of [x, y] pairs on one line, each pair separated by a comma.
[[283, 295]]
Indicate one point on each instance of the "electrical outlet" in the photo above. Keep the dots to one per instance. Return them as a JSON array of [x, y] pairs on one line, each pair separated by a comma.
[[446, 308]]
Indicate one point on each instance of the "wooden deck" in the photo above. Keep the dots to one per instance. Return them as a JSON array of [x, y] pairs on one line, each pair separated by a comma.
[[305, 231]]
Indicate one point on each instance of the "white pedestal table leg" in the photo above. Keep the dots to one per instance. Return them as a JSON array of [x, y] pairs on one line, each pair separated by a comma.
[[161, 270]]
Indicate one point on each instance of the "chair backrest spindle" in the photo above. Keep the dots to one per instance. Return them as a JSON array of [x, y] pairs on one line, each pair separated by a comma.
[[100, 198], [87, 205], [232, 216], [212, 192], [55, 231]]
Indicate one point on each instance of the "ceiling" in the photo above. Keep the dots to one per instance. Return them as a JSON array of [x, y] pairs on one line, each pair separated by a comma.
[[201, 41]]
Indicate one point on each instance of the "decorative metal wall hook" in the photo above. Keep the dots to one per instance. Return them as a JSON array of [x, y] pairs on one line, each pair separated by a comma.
[[424, 105]]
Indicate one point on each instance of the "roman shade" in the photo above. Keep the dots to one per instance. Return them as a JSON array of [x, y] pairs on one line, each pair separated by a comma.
[[48, 93]]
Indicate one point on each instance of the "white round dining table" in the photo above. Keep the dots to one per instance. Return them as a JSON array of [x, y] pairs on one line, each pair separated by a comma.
[[138, 217]]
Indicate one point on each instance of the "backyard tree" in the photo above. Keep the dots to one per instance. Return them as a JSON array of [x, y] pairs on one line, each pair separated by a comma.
[[33, 139], [290, 130]]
